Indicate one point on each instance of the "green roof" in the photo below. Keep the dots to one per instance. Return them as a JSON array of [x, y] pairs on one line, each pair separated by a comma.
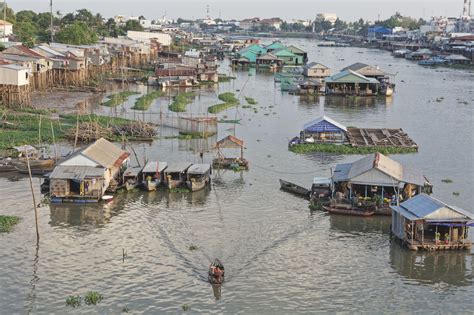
[[283, 52], [274, 46], [295, 50], [254, 48], [251, 56]]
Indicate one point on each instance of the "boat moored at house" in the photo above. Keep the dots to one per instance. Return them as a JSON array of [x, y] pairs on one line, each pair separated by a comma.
[[152, 175], [199, 176]]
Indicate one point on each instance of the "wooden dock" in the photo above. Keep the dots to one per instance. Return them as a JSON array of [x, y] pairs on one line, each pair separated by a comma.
[[370, 137]]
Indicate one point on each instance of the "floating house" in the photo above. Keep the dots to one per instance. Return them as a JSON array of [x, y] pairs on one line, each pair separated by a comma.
[[274, 46], [366, 70], [316, 70], [299, 52], [324, 130], [348, 82], [426, 223], [309, 86], [420, 54], [288, 57], [268, 60], [88, 173], [458, 60], [377, 181]]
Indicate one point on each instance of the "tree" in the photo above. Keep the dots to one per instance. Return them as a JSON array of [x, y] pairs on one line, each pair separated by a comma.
[[26, 33], [77, 34], [340, 25], [133, 25], [25, 16]]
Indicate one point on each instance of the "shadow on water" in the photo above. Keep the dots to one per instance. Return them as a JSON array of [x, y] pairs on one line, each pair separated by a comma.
[[338, 102], [442, 267]]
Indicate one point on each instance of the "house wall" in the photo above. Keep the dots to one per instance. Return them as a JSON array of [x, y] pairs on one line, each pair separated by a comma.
[[14, 76], [317, 72], [79, 160], [398, 225]]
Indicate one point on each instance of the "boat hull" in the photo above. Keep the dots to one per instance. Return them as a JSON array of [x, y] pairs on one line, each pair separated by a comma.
[[151, 185], [353, 212], [294, 189], [195, 186]]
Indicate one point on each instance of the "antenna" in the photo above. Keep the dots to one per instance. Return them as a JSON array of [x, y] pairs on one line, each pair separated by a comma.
[[51, 18], [207, 11]]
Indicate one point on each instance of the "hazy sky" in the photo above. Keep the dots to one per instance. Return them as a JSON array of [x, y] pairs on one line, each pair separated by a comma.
[[302, 9]]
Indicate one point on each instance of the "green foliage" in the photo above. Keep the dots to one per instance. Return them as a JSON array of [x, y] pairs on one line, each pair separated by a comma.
[[251, 101], [118, 98], [225, 78], [193, 247], [346, 149], [447, 181], [456, 193], [93, 298], [229, 100], [185, 307], [181, 101], [26, 32], [77, 33], [133, 25], [7, 222], [144, 102], [73, 301]]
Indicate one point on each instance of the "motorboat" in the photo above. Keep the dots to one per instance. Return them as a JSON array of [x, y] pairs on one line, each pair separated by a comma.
[[216, 272], [199, 176]]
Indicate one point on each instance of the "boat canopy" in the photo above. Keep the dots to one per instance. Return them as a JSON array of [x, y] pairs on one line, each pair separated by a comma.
[[132, 171], [177, 167], [153, 167], [198, 169]]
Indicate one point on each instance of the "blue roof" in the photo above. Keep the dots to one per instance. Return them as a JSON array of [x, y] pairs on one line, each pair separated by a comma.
[[324, 124], [341, 172], [422, 205], [379, 29]]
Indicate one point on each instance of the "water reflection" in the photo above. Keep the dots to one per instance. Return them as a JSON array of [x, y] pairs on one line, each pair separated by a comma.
[[80, 214], [338, 101], [198, 145], [159, 196], [217, 290], [352, 224], [449, 267]]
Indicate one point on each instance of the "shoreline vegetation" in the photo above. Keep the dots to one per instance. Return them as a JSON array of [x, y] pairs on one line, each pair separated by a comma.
[[144, 102], [229, 100], [31, 126], [118, 98], [180, 102], [346, 149]]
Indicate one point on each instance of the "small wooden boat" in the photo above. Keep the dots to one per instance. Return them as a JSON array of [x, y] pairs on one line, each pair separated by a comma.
[[34, 171], [131, 177], [7, 165], [40, 163], [294, 189], [176, 174], [351, 211], [216, 272], [152, 175], [199, 176]]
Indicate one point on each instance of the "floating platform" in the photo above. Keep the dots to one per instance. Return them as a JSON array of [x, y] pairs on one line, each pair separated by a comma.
[[374, 137], [432, 246]]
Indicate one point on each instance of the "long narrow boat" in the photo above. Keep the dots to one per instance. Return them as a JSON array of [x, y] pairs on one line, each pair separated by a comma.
[[355, 212], [294, 189], [199, 176], [40, 163], [130, 177], [176, 174], [152, 175], [34, 171]]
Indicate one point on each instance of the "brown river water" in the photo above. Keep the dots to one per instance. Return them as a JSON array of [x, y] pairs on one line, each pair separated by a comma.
[[279, 256]]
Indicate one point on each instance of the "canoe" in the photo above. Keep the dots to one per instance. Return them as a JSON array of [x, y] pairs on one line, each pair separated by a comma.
[[212, 276], [363, 213], [34, 171], [294, 189]]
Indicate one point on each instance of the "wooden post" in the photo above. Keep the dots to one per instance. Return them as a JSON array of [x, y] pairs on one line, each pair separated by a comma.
[[54, 142], [77, 133], [33, 195], [39, 130]]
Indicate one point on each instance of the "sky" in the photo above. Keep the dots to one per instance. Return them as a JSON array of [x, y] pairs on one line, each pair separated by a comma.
[[348, 10]]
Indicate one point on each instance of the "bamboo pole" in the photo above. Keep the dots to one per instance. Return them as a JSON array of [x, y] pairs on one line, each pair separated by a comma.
[[77, 133], [33, 195], [54, 142], [39, 130]]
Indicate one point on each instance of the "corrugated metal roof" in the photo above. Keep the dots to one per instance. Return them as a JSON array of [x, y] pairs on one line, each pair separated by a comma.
[[321, 181], [153, 166], [313, 64], [230, 142], [199, 168], [177, 167], [14, 67], [395, 170], [76, 172], [339, 78], [105, 153], [316, 125], [423, 206], [132, 171]]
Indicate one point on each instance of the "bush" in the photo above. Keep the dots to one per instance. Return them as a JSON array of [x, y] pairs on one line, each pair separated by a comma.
[[7, 222], [73, 301], [118, 99], [251, 101], [180, 102], [93, 298], [144, 102], [346, 149]]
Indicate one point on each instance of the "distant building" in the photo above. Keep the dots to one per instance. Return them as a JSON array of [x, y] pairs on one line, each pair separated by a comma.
[[120, 19], [273, 22], [316, 70], [330, 17], [6, 28], [162, 38], [249, 24]]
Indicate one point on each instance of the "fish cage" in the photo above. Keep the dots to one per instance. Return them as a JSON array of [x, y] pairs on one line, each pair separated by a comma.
[[199, 127]]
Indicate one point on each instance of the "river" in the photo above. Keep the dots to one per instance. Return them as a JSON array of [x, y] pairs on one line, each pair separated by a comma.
[[279, 256]]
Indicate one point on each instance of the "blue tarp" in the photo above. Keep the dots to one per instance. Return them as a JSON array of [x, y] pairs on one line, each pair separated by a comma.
[[378, 29], [321, 126]]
